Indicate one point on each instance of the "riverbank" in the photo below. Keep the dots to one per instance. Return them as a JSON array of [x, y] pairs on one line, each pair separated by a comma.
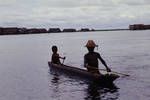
[[18, 31]]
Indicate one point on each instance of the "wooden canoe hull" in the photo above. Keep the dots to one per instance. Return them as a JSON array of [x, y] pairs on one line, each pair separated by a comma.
[[101, 78]]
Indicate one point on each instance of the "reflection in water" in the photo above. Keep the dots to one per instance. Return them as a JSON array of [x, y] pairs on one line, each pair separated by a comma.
[[96, 92], [55, 86], [92, 91]]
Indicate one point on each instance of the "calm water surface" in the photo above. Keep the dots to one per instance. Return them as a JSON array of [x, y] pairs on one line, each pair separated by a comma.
[[25, 75]]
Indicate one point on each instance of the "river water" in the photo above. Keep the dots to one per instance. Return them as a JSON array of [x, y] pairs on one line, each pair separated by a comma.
[[25, 74]]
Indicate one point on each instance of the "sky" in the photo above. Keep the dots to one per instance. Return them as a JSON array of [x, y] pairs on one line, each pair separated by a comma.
[[97, 14]]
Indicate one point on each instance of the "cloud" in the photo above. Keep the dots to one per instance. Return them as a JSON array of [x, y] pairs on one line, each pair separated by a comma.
[[7, 2], [74, 13]]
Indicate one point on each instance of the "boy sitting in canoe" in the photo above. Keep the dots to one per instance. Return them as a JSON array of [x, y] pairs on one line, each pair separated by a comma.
[[55, 56], [91, 59]]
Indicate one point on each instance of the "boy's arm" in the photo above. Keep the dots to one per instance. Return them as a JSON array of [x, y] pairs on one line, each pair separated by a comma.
[[85, 62], [61, 57], [104, 63]]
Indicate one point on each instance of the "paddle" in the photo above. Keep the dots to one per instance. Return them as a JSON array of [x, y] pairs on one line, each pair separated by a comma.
[[63, 60], [116, 72], [111, 71]]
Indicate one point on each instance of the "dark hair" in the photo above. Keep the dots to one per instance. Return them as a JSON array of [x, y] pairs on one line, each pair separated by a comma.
[[54, 48]]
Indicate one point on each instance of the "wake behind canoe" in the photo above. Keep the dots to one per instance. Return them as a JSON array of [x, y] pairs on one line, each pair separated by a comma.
[[102, 78]]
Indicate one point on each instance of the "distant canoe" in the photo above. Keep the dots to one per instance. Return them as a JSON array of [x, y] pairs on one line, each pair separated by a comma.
[[81, 73]]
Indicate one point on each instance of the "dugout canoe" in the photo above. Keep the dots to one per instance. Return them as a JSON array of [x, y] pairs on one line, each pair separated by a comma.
[[82, 73]]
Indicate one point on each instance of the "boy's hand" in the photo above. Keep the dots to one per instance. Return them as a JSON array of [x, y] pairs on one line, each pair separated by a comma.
[[108, 69], [64, 57]]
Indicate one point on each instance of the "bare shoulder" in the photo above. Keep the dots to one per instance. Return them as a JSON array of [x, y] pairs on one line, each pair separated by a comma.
[[86, 54], [97, 53]]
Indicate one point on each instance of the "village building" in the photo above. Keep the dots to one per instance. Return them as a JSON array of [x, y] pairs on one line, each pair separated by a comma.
[[37, 30], [10, 30], [54, 30], [69, 30], [84, 29], [139, 27], [1, 31], [147, 26]]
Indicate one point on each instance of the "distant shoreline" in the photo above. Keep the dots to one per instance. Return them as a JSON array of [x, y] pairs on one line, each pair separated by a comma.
[[21, 31], [24, 31], [112, 30]]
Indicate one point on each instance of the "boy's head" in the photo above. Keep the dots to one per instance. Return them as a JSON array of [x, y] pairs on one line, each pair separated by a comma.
[[54, 49], [91, 45]]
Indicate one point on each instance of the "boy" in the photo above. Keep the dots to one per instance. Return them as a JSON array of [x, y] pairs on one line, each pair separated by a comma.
[[91, 58], [55, 56]]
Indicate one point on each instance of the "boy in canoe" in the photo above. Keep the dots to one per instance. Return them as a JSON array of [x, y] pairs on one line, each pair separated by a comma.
[[91, 58], [55, 56]]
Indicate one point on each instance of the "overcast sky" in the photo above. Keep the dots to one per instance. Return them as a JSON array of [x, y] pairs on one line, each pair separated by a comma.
[[74, 13]]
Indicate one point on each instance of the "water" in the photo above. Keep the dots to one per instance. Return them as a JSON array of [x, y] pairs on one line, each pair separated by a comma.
[[25, 75]]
